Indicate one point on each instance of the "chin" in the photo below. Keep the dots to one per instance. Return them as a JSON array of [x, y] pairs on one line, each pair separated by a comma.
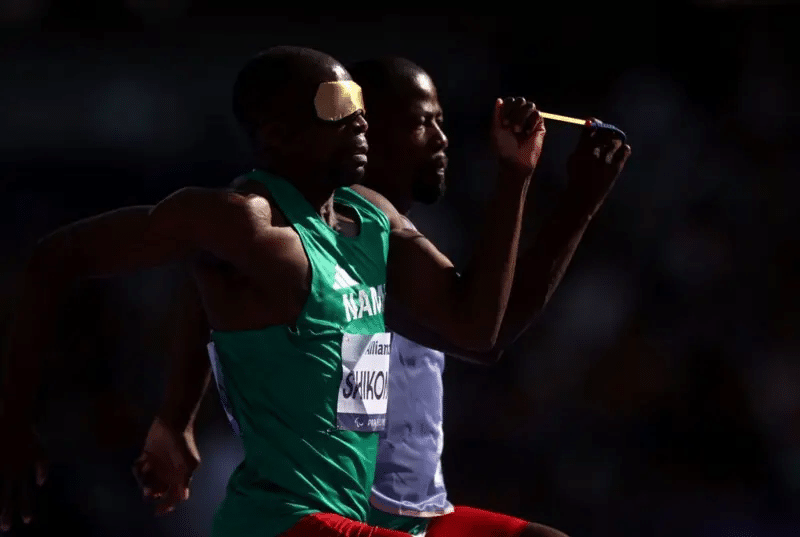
[[428, 191], [348, 178]]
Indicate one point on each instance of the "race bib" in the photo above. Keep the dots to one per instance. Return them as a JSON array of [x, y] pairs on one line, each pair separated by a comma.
[[364, 391]]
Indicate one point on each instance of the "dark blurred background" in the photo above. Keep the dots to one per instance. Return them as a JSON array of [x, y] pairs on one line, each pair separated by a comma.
[[657, 396]]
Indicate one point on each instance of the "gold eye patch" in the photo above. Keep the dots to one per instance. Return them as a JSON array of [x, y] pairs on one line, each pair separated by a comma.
[[337, 100]]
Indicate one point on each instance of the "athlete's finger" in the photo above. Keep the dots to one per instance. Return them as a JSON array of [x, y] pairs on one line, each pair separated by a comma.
[[527, 118], [187, 480], [616, 144], [587, 140], [499, 119], [149, 480], [621, 156], [601, 142], [518, 114], [510, 104], [533, 121], [154, 488], [167, 505]]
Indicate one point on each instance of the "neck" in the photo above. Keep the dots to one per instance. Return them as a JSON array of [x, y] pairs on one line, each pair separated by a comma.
[[402, 201], [316, 190]]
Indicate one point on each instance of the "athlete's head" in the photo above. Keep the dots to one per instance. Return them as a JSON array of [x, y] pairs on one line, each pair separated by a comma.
[[276, 99], [407, 146]]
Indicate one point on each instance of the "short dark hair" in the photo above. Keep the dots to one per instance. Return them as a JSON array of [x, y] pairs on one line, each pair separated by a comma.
[[263, 83], [259, 84], [384, 77]]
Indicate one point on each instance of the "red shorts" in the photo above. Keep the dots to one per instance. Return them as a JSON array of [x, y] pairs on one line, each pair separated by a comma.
[[475, 523], [330, 525], [462, 521]]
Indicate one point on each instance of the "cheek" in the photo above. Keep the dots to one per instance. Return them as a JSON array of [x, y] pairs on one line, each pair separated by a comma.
[[417, 139], [319, 145], [407, 150]]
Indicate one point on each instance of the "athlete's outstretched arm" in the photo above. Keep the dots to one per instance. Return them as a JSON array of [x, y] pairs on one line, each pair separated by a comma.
[[593, 169], [466, 311], [112, 243]]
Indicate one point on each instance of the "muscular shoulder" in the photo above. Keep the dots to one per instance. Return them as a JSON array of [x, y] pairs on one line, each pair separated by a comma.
[[216, 207], [231, 224], [396, 220]]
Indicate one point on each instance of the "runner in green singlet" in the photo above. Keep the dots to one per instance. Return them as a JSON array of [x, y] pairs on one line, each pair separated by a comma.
[[407, 165], [260, 257]]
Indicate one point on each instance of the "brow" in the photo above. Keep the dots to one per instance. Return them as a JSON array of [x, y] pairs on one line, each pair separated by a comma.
[[426, 111]]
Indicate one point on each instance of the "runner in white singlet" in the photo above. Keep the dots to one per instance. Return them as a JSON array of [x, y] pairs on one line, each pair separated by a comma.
[[407, 164]]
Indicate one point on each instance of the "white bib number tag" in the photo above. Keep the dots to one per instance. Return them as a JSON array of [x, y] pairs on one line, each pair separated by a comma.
[[364, 391]]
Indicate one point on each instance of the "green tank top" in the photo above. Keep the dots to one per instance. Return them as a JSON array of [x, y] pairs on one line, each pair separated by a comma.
[[309, 399]]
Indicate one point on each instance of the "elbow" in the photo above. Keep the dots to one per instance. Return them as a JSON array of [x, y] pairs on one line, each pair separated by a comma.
[[490, 356], [476, 342], [485, 358], [473, 335], [484, 347]]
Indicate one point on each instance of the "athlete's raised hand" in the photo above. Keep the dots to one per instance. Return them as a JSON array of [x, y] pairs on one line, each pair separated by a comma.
[[595, 164], [165, 467], [517, 133]]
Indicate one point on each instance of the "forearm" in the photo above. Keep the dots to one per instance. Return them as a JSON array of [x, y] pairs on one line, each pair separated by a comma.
[[186, 386], [541, 268], [190, 368], [484, 290], [539, 271], [593, 169]]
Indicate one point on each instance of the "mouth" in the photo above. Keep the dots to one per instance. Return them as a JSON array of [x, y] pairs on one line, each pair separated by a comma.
[[360, 158], [440, 164], [358, 153]]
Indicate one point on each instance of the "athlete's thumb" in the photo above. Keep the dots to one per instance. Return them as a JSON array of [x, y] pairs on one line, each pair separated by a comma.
[[498, 113]]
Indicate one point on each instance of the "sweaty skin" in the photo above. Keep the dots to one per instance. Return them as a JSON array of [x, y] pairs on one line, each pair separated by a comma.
[[261, 279], [407, 164]]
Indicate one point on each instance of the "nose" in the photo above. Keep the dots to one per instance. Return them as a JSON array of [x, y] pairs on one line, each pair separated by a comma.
[[440, 139], [359, 123]]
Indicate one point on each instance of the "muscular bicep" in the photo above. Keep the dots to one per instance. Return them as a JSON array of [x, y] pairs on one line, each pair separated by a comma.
[[111, 243], [422, 282], [141, 237], [220, 222]]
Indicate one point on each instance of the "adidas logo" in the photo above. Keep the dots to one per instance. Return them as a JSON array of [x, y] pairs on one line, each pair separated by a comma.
[[342, 280]]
